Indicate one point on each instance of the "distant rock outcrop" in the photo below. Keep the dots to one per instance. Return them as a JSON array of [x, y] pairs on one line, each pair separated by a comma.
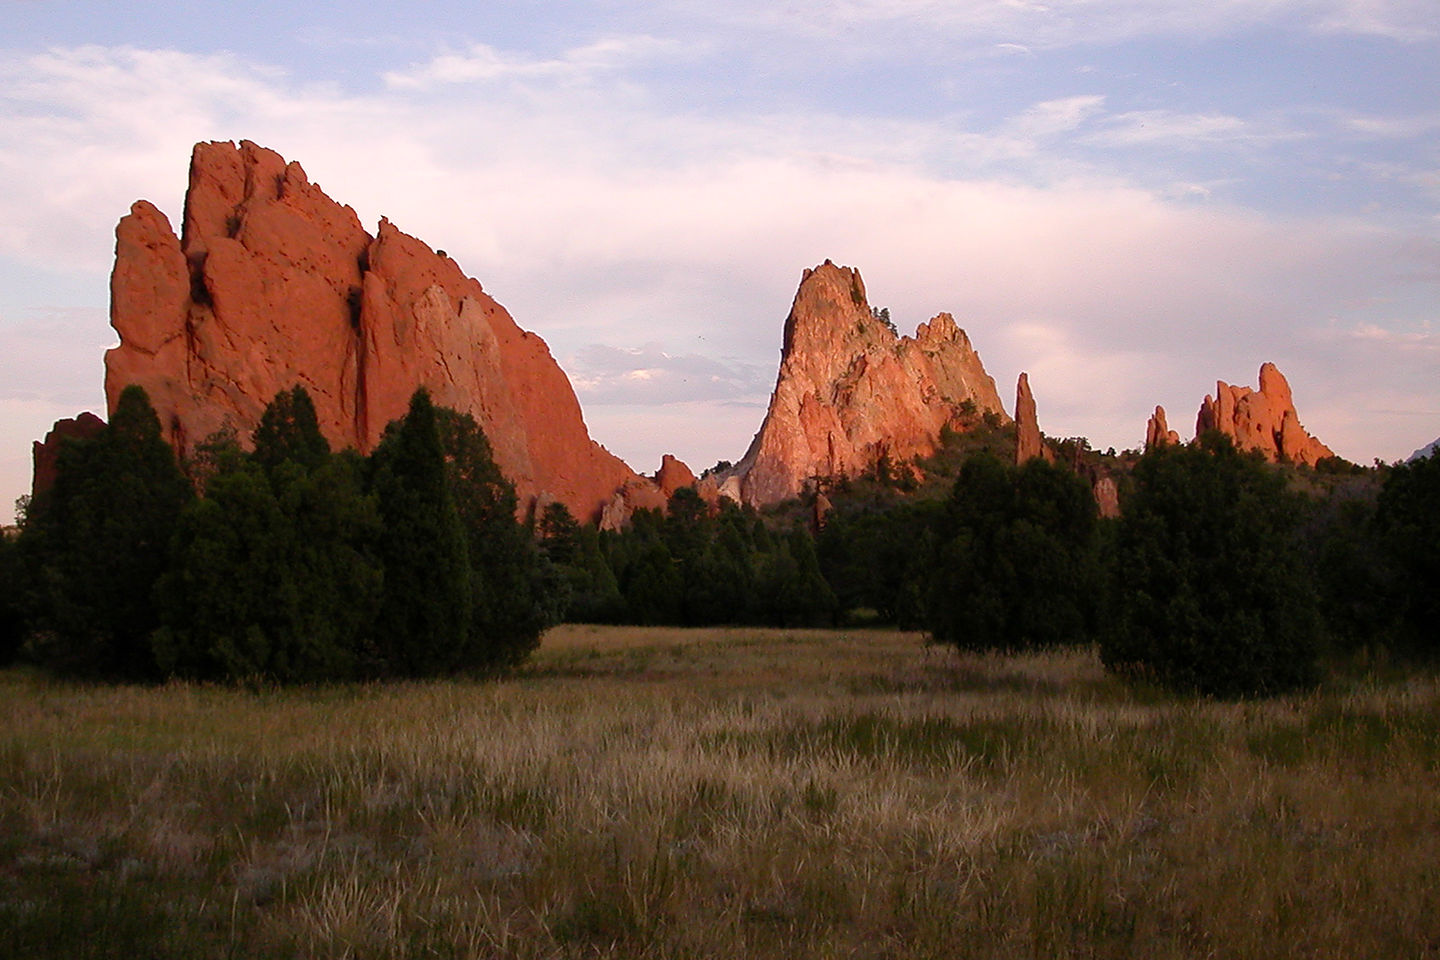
[[1263, 420], [46, 452], [673, 475], [1158, 432], [851, 392], [273, 284], [1029, 444]]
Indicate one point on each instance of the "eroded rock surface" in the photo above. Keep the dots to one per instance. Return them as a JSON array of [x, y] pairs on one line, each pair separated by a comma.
[[1158, 432], [273, 284], [1263, 419], [850, 391]]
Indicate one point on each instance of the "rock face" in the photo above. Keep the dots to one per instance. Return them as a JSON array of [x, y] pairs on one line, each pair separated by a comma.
[[273, 284], [850, 391], [1028, 442], [1158, 432], [46, 452], [1263, 420], [673, 475]]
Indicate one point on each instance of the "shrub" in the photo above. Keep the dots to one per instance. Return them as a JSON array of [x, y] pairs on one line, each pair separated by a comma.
[[1211, 595]]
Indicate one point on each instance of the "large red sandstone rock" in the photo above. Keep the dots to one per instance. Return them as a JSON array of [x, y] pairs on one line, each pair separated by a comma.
[[1263, 420], [274, 284], [674, 474], [1158, 432], [46, 452], [850, 391]]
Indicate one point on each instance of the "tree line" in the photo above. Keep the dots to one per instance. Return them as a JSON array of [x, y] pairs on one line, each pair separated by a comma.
[[288, 562], [291, 562]]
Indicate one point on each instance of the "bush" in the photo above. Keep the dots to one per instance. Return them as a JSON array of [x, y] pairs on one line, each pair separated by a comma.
[[1408, 519], [1211, 594], [1017, 564]]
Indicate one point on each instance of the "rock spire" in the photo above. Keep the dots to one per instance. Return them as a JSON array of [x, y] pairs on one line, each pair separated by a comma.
[[850, 391]]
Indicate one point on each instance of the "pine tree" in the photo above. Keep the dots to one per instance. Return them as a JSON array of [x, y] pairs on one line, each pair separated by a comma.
[[1017, 566], [423, 625], [99, 541], [1211, 593]]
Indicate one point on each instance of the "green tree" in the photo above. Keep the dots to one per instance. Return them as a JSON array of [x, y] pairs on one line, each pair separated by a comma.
[[1211, 594], [98, 542], [289, 432], [1408, 520], [423, 624], [515, 593], [274, 573], [1017, 566]]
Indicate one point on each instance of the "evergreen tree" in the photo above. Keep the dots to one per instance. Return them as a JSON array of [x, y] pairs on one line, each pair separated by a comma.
[[98, 541], [423, 626], [515, 593], [649, 581], [1017, 567], [1408, 520], [289, 431], [1211, 594], [273, 573]]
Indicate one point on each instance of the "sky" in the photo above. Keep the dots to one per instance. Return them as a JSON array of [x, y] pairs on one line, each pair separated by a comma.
[[1129, 199]]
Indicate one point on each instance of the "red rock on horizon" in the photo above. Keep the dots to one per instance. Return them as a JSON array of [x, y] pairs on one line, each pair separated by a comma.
[[46, 453], [274, 284], [1263, 419], [1158, 432], [850, 391], [1029, 444]]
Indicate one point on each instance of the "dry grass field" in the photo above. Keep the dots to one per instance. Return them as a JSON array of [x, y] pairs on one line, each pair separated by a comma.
[[722, 794]]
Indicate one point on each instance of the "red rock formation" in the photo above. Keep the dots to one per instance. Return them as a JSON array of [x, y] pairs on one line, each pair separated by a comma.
[[850, 391], [1263, 420], [46, 452], [1028, 442], [673, 475], [1158, 432], [273, 283]]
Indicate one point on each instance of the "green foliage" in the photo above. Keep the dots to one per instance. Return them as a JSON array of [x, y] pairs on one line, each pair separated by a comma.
[[274, 573], [1408, 521], [424, 623], [1211, 593], [97, 543], [289, 431], [1018, 566], [515, 593], [879, 559]]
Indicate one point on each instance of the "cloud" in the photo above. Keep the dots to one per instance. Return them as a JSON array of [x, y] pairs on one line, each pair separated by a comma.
[[608, 375], [481, 63], [1182, 130], [1064, 23]]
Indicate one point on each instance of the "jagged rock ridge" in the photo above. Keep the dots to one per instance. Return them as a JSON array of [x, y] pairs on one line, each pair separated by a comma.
[[1158, 432], [1263, 420], [850, 391], [272, 283]]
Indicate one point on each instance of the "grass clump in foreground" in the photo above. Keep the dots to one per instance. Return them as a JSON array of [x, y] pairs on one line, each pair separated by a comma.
[[722, 793]]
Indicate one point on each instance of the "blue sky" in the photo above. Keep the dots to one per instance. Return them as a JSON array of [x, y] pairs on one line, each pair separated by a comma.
[[1129, 199]]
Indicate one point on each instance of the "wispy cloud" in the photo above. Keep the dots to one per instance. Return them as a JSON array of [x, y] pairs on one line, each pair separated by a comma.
[[605, 374], [481, 63]]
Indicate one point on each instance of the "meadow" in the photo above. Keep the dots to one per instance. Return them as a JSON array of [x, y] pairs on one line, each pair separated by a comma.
[[723, 793]]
